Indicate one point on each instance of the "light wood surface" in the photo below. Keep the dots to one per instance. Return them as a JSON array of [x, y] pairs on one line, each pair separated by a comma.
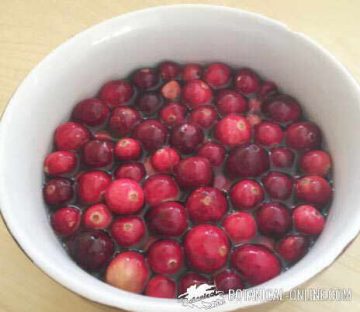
[[30, 29]]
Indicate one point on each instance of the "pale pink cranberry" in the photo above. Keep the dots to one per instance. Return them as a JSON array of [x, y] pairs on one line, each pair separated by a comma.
[[228, 280], [246, 194], [222, 183], [313, 189], [91, 186], [60, 163], [308, 220], [165, 257], [128, 271], [233, 130], [316, 162], [161, 286], [160, 188], [151, 133], [65, 221], [282, 157], [173, 114], [255, 105], [146, 78], [171, 90], [282, 108], [123, 120], [203, 116], [303, 135], [148, 167], [240, 226], [267, 88], [186, 137], [165, 159], [206, 247], [292, 247], [97, 217], [97, 153], [206, 204], [191, 72], [197, 92], [230, 102], [116, 92], [278, 185], [168, 219], [194, 172], [214, 152], [246, 81], [256, 263], [253, 120], [273, 219], [217, 75], [149, 102], [128, 231], [132, 170], [70, 136], [124, 196], [91, 249], [58, 191], [169, 70], [92, 112], [128, 149], [268, 133], [103, 135], [190, 279]]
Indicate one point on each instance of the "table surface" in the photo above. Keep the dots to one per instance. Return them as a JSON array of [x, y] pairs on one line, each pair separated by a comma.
[[30, 29]]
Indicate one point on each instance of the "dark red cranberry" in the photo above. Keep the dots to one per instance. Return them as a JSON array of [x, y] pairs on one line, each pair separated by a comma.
[[91, 249], [92, 112], [247, 161], [186, 138], [228, 280], [278, 185], [230, 102], [160, 188], [203, 116], [97, 217], [171, 90], [197, 92], [169, 70], [267, 88], [273, 219], [146, 78], [65, 221], [217, 75], [190, 279], [128, 231], [124, 196], [313, 189], [60, 163], [282, 108], [123, 120], [308, 220], [191, 72], [246, 194], [282, 157], [292, 247], [165, 257], [233, 130], [103, 135], [132, 170], [91, 186], [149, 102], [214, 152], [268, 133], [116, 92], [161, 286], [70, 136], [97, 153], [173, 114], [194, 172], [128, 149], [165, 159], [168, 219], [151, 133], [246, 81], [240, 226], [303, 135], [57, 191], [128, 271], [316, 162]]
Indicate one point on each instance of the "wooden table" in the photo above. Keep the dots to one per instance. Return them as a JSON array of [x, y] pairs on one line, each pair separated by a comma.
[[30, 29]]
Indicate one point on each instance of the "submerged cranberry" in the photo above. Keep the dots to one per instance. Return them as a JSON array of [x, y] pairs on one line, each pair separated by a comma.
[[97, 217], [173, 114], [190, 279], [65, 221], [132, 170], [246, 194], [292, 247], [171, 90], [203, 116], [70, 136], [246, 81], [282, 157], [282, 108], [103, 135], [98, 153], [186, 138], [214, 152], [228, 280], [197, 92], [313, 189], [161, 286], [278, 185], [149, 102], [151, 133], [57, 191], [233, 130], [308, 220], [91, 186], [128, 231], [169, 70], [191, 72], [316, 162], [253, 119], [116, 92], [165, 159], [92, 112], [267, 88], [229, 102], [240, 226], [128, 149], [146, 78], [303, 135], [60, 163], [268, 134], [123, 120], [217, 75]]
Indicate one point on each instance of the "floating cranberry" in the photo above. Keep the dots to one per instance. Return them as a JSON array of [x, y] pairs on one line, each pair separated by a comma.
[[228, 280], [91, 186], [278, 185], [151, 133], [190, 279], [217, 75], [197, 92], [70, 136], [149, 102], [316, 162], [282, 157], [97, 217], [303, 135], [165, 159], [60, 163], [240, 226], [313, 189], [128, 149], [146, 78], [268, 133], [233, 130], [161, 286], [116, 92], [128, 231], [308, 220], [191, 72], [169, 70], [58, 191], [230, 102], [203, 116], [132, 170], [292, 247], [246, 194], [214, 152], [173, 114], [65, 221], [171, 90], [246, 81], [92, 112], [123, 120], [97, 153], [186, 138], [282, 108]]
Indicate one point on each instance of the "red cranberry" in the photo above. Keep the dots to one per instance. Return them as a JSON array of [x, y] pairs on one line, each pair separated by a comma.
[[282, 157], [97, 217], [308, 220], [197, 92], [240, 226], [246, 194], [123, 120], [247, 161], [267, 88], [246, 81], [168, 219], [65, 221], [128, 149], [161, 286], [194, 172], [206, 204], [313, 189], [273, 219], [98, 153], [146, 78], [303, 135], [229, 102], [151, 133], [191, 72], [165, 159], [71, 136], [91, 249], [203, 116], [278, 185], [282, 108], [171, 90], [116, 92], [253, 119], [233, 130], [173, 114], [128, 271], [186, 138], [124, 196], [268, 133], [132, 170], [169, 70], [217, 75], [256, 263], [315, 162], [228, 280], [92, 112], [149, 102], [206, 247], [190, 279], [91, 186], [57, 191], [165, 257], [103, 135], [60, 162], [160, 188], [292, 247], [214, 152], [128, 231]]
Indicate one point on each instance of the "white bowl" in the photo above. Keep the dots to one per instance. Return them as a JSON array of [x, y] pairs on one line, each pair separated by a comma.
[[196, 33]]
